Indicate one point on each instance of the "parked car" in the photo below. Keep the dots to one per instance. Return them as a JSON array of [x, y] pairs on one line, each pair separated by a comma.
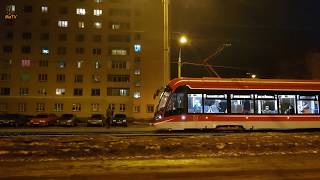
[[13, 120], [44, 120], [96, 119], [67, 120], [119, 120]]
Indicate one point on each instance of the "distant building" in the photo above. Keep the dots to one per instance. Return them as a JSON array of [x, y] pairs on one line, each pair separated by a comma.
[[80, 56]]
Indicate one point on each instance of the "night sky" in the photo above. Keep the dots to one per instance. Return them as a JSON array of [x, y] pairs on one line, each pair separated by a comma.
[[271, 38]]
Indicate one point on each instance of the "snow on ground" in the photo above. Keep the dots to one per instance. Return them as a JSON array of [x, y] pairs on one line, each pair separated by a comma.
[[108, 147]]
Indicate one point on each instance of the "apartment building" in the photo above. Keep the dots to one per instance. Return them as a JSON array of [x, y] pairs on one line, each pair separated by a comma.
[[81, 56]]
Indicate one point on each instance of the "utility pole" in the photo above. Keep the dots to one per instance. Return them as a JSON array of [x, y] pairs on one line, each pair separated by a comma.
[[166, 56]]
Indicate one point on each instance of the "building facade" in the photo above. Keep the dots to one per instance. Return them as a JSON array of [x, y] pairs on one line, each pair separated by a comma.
[[81, 56]]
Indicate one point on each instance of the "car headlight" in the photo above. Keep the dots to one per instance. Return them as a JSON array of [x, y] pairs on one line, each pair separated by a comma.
[[113, 120], [42, 121], [124, 120]]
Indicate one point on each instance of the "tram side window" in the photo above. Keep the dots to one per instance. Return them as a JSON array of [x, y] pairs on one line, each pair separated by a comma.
[[176, 104], [308, 104], [287, 104], [266, 104], [215, 103], [242, 104], [195, 103]]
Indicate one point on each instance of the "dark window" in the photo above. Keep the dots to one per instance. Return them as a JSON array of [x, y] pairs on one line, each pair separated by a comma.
[[63, 10], [62, 37], [7, 49], [61, 78], [26, 49], [118, 78], [44, 22], [95, 92], [62, 50], [43, 77], [44, 36], [78, 78], [4, 91], [43, 63], [80, 37], [77, 91], [80, 50], [26, 35], [96, 51], [97, 38], [27, 9], [120, 38], [9, 35]]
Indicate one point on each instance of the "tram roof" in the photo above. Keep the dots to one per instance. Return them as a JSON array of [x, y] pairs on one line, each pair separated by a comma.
[[246, 84]]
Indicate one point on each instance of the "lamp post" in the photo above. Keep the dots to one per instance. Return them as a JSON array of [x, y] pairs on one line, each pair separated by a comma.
[[183, 40]]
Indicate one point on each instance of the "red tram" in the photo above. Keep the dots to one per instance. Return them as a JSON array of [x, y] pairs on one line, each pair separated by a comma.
[[208, 103]]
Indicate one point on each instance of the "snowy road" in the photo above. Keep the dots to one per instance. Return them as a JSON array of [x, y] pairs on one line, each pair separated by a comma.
[[258, 155]]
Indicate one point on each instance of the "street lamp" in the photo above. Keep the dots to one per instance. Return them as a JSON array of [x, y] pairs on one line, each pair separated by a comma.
[[182, 41]]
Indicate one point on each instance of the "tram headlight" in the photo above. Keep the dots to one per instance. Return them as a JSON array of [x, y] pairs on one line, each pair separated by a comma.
[[158, 117]]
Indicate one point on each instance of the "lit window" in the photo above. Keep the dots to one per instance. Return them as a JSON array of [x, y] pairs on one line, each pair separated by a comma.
[[119, 52], [60, 91], [94, 107], [122, 107], [137, 48], [63, 24], [42, 92], [138, 83], [98, 65], [137, 71], [150, 108], [76, 107], [21, 107], [124, 92], [96, 78], [98, 25], [136, 109], [24, 91], [137, 95], [79, 64], [98, 1], [45, 51], [81, 11], [61, 64], [25, 62], [81, 24], [44, 9], [40, 107], [115, 26], [11, 8], [58, 107], [97, 12]]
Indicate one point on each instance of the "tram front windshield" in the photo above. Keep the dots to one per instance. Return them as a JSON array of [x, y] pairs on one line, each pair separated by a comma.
[[163, 100]]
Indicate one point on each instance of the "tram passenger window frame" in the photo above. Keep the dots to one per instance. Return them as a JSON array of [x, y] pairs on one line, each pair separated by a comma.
[[308, 104], [176, 104], [215, 103], [195, 103], [266, 104], [242, 103], [287, 104]]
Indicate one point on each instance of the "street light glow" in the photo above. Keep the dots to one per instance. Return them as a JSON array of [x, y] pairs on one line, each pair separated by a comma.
[[183, 40]]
